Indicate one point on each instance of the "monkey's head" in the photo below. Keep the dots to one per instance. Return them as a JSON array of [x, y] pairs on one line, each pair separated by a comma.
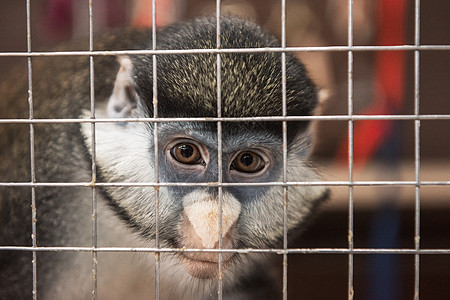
[[187, 151]]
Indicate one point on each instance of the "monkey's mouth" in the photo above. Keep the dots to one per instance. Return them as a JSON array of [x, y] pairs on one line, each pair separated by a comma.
[[204, 265]]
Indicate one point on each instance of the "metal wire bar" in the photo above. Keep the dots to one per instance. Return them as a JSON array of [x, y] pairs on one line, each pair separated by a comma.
[[284, 126], [230, 50], [225, 184], [32, 156], [351, 290], [156, 150], [360, 251], [235, 119], [417, 150], [93, 153], [219, 148]]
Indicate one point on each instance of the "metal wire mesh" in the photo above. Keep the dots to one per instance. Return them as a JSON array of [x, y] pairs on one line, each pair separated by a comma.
[[285, 251]]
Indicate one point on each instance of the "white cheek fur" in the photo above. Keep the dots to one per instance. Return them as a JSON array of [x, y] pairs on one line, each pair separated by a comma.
[[122, 149], [124, 154]]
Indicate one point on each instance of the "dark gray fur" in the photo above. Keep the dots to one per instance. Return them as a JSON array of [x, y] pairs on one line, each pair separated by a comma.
[[251, 86]]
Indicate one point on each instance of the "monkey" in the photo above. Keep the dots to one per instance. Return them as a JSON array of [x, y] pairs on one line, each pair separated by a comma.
[[122, 153]]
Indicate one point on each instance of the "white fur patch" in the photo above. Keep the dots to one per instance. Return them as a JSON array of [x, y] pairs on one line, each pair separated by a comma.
[[203, 213]]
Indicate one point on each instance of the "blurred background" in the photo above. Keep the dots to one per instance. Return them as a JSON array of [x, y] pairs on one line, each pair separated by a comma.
[[383, 83]]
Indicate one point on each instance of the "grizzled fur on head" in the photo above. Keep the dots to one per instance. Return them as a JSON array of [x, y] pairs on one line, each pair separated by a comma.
[[246, 78]]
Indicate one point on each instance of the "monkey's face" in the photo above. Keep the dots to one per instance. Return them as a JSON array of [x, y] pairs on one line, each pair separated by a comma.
[[209, 190], [249, 210]]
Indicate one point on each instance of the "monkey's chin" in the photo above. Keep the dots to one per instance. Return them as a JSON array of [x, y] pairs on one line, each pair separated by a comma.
[[204, 266]]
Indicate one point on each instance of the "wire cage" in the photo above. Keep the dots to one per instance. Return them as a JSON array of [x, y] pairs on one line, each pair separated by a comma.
[[384, 232]]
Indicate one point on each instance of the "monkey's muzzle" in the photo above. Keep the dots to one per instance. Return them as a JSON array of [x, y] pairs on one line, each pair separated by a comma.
[[200, 230]]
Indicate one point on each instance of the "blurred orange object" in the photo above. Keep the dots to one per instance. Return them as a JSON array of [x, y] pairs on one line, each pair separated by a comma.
[[166, 12]]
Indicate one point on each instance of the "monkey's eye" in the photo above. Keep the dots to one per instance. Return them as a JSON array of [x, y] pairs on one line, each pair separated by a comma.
[[248, 162], [186, 153]]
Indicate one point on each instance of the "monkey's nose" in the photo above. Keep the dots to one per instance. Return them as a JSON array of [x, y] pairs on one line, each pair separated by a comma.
[[201, 223]]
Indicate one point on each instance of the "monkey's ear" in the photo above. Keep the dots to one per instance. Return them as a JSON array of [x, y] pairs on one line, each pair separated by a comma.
[[123, 99]]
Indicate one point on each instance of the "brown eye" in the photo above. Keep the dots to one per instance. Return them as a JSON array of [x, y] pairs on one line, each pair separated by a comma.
[[186, 153], [248, 162]]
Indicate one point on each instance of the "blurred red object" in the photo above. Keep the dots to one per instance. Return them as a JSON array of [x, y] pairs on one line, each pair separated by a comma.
[[369, 135]]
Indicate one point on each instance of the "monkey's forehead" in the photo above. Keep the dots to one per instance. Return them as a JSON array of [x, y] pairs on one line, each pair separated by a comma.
[[250, 83]]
